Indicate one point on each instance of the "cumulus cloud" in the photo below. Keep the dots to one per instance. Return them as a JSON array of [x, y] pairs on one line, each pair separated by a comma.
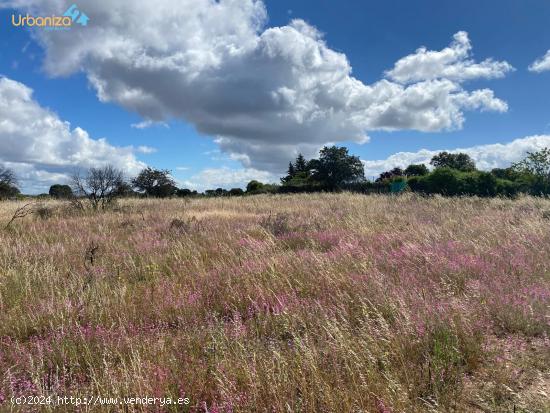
[[452, 63], [542, 64], [43, 149], [227, 178], [263, 93], [486, 157]]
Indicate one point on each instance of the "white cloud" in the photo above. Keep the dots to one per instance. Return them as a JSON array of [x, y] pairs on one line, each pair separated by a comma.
[[452, 63], [486, 157], [43, 149], [542, 64], [146, 149], [227, 178], [262, 92], [182, 168], [147, 124]]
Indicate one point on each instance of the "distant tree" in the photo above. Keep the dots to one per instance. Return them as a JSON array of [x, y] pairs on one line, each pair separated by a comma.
[[236, 192], [506, 173], [221, 192], [184, 192], [8, 183], [298, 173], [290, 173], [445, 181], [8, 191], [335, 167], [291, 170], [459, 161], [99, 185], [416, 170], [536, 163], [7, 176], [126, 190], [385, 176], [61, 191], [301, 165], [487, 184], [254, 186], [155, 182]]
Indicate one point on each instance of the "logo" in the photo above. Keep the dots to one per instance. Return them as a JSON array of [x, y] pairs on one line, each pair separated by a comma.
[[76, 15], [72, 16]]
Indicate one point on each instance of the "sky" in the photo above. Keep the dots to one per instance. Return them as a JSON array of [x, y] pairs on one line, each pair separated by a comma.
[[223, 92]]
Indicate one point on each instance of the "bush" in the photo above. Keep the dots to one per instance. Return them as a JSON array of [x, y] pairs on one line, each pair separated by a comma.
[[184, 192], [236, 192]]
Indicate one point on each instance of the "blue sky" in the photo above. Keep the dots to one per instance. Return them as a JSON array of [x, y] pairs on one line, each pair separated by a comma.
[[373, 36]]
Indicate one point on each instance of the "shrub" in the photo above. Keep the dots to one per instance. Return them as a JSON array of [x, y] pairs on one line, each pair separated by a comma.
[[236, 192]]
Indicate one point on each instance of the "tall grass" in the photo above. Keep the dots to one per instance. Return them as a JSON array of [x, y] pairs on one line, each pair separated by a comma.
[[300, 303]]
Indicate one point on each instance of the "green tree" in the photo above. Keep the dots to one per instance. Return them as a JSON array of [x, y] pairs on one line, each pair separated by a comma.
[[445, 181], [301, 165], [289, 174], [386, 176], [416, 170], [60, 191], [183, 192], [459, 161], [536, 163], [254, 186], [335, 167], [236, 192], [155, 182]]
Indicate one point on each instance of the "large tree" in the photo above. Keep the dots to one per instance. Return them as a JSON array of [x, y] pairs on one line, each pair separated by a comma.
[[7, 176], [536, 168], [298, 173], [335, 167], [416, 170], [536, 163], [459, 161], [99, 185], [301, 165], [60, 191], [155, 182], [8, 183]]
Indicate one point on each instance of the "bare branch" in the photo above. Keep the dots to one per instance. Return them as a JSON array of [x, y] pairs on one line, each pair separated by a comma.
[[22, 212]]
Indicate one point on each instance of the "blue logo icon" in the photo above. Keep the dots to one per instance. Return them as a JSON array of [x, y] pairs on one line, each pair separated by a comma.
[[76, 15]]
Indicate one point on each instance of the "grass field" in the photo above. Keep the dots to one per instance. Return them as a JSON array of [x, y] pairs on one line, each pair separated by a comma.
[[303, 303]]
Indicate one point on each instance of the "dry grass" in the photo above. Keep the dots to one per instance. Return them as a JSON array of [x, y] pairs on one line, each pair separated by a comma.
[[303, 303]]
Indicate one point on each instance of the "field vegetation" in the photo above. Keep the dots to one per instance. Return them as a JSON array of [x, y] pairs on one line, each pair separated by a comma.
[[280, 303]]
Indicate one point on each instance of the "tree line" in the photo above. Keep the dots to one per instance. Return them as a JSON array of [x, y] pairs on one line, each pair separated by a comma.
[[451, 174], [335, 169]]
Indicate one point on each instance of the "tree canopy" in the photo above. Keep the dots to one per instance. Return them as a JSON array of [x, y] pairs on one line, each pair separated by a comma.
[[60, 191], [100, 185], [155, 182], [459, 161]]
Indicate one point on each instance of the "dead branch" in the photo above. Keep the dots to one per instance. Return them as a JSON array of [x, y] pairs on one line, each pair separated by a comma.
[[22, 212]]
